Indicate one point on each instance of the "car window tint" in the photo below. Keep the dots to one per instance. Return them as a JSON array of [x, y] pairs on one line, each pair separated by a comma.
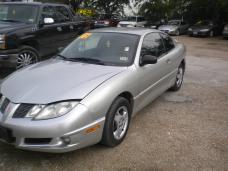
[[62, 14], [152, 45], [168, 42], [48, 12]]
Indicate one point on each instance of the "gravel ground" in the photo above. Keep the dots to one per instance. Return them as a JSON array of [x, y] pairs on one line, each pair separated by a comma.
[[183, 131]]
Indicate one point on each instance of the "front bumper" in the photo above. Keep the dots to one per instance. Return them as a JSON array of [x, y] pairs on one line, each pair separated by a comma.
[[100, 26], [170, 32], [8, 58], [58, 135], [225, 34], [199, 33]]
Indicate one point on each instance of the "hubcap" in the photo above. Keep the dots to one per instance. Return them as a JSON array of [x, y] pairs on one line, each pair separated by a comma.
[[179, 77], [25, 58], [120, 123]]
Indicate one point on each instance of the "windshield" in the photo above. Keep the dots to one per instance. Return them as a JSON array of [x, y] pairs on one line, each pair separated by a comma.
[[174, 22], [130, 19], [18, 13], [102, 48]]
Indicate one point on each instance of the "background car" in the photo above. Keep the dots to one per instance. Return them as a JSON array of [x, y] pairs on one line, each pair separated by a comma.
[[225, 31], [175, 27], [106, 20], [89, 91], [154, 24], [204, 28], [132, 21], [30, 32]]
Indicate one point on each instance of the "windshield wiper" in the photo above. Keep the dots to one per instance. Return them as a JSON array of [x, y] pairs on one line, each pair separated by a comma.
[[63, 57], [87, 60], [81, 59]]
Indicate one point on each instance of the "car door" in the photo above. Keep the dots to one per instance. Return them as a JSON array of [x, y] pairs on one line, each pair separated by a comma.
[[65, 20], [153, 78], [49, 35]]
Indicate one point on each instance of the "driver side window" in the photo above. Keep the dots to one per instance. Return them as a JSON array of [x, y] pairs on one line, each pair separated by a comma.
[[152, 45], [48, 12]]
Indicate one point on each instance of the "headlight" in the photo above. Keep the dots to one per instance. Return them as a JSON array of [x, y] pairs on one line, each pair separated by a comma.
[[106, 22], [190, 29], [130, 25], [2, 41], [204, 30], [40, 112]]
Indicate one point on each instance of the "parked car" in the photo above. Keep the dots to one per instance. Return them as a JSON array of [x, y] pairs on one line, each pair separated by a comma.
[[30, 32], [154, 25], [175, 27], [133, 21], [225, 31], [89, 92], [106, 20], [204, 28]]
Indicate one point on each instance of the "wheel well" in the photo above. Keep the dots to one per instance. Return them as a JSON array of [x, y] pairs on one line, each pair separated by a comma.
[[129, 97], [183, 63], [31, 43]]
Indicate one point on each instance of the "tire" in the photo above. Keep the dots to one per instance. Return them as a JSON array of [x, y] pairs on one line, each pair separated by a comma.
[[27, 56], [112, 135], [211, 33], [179, 79], [178, 33]]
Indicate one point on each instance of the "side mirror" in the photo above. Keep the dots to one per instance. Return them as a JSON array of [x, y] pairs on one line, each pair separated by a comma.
[[48, 21], [148, 59]]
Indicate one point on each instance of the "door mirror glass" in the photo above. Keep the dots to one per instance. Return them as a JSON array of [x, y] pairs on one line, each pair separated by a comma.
[[48, 21], [148, 59]]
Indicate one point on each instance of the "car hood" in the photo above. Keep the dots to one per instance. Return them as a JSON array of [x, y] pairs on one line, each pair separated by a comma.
[[168, 27], [56, 80], [11, 26]]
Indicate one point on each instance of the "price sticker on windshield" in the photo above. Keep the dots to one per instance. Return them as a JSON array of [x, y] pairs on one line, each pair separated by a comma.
[[85, 36]]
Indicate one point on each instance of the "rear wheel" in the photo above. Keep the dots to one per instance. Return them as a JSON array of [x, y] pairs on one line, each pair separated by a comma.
[[179, 79], [117, 122], [27, 56]]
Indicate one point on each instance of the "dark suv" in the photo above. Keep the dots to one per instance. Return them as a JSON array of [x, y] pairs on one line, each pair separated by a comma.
[[30, 32]]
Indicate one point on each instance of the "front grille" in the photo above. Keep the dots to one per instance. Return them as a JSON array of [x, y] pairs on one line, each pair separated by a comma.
[[37, 141], [4, 104], [22, 110]]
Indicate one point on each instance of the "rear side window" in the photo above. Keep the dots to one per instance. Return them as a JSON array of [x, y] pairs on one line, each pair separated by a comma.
[[168, 42], [62, 13], [152, 45]]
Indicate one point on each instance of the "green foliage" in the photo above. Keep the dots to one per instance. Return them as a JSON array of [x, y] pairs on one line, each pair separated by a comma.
[[191, 10], [107, 6]]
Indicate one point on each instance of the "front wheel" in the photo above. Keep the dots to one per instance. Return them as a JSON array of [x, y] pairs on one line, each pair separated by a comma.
[[211, 34], [179, 79], [117, 122], [178, 32], [27, 56]]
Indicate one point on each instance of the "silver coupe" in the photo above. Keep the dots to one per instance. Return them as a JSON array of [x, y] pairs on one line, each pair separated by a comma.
[[89, 92]]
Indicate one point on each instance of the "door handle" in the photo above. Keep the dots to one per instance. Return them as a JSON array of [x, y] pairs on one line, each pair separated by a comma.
[[168, 61], [59, 29]]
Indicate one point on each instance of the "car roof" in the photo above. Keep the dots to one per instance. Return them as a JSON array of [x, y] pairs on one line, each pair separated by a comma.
[[127, 30], [31, 3]]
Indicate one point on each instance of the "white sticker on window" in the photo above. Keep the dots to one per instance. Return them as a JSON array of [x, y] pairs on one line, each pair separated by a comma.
[[126, 49], [123, 58]]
